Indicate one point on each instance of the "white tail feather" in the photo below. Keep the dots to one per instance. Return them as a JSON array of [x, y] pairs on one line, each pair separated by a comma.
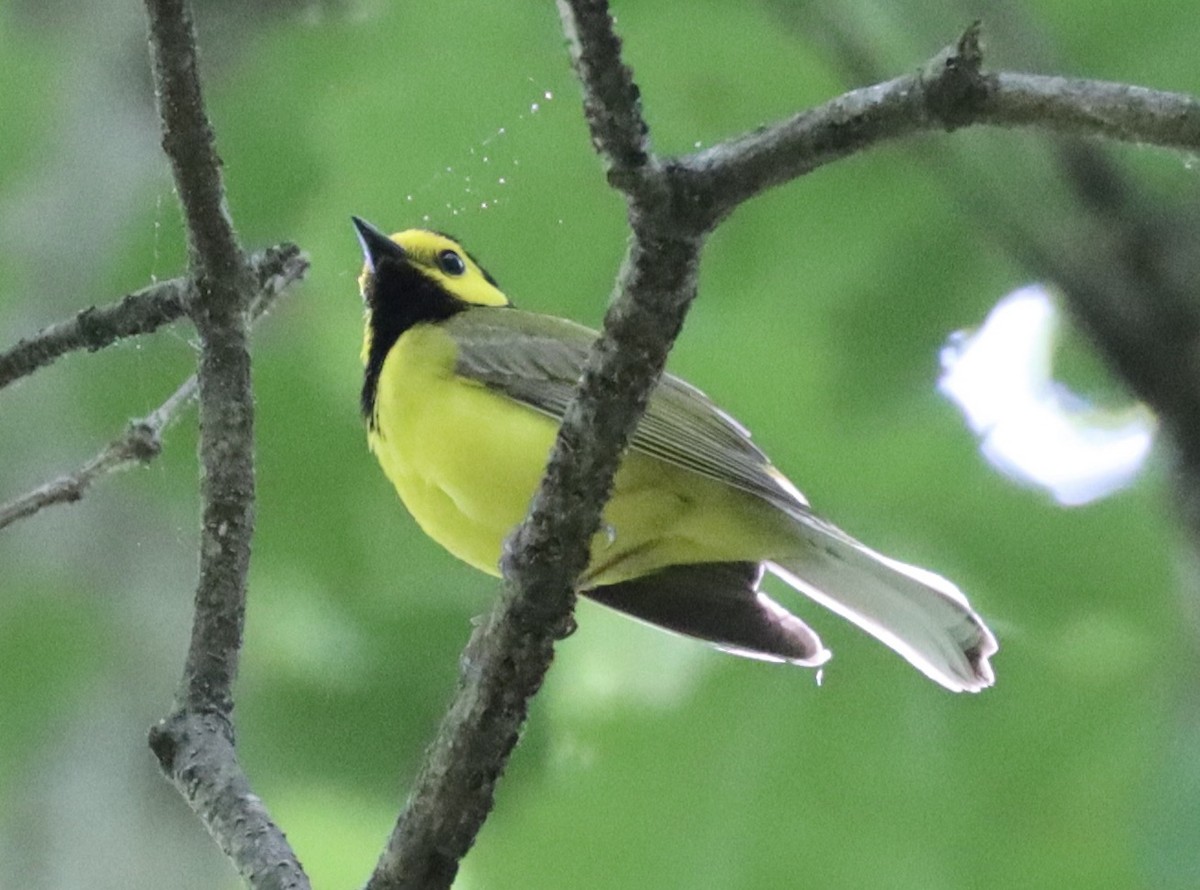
[[920, 615]]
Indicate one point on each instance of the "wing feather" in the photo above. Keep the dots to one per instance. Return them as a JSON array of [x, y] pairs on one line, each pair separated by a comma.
[[537, 360]]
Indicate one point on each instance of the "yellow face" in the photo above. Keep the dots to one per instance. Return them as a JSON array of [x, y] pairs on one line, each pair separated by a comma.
[[445, 261], [442, 261]]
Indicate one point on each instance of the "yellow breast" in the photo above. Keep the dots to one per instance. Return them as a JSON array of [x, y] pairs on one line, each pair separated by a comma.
[[466, 462]]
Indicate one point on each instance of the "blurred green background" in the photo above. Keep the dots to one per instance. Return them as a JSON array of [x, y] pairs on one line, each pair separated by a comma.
[[649, 761]]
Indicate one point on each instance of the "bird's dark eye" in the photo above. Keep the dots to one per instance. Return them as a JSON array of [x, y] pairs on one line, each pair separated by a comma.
[[451, 263]]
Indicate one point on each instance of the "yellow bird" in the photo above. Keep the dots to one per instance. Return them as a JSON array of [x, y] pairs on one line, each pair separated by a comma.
[[462, 395]]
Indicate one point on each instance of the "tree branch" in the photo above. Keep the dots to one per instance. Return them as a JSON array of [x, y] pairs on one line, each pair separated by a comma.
[[195, 744], [141, 312], [94, 328], [611, 100], [140, 443], [226, 401], [276, 268], [1077, 107], [187, 141], [951, 92], [205, 761]]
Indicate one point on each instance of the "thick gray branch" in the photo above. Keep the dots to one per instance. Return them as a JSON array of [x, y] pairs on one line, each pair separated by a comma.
[[209, 775], [195, 744], [226, 402], [611, 100], [187, 141], [952, 91]]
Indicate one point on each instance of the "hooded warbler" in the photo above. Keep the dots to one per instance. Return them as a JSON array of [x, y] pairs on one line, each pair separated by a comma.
[[462, 395]]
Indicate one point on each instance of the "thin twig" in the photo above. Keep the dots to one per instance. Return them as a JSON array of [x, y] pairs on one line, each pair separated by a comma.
[[1078, 107], [140, 443], [277, 268], [94, 328], [195, 743], [141, 312]]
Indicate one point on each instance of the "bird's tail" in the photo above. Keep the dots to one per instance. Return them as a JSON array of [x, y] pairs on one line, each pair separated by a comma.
[[920, 615]]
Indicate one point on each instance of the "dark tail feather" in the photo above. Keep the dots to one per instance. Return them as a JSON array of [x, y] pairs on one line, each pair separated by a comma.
[[719, 602]]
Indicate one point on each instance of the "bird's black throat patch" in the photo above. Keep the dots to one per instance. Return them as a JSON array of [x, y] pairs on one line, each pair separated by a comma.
[[398, 297]]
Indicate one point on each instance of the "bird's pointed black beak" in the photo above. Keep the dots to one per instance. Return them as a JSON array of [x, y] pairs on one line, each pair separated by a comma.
[[375, 244]]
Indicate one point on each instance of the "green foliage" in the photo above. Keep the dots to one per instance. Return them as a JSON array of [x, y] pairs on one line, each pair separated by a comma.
[[649, 760]]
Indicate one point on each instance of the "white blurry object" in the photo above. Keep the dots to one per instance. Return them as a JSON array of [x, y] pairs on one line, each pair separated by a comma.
[[1031, 427]]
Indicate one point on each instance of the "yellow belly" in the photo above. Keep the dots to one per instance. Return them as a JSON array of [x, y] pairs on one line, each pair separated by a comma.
[[466, 462]]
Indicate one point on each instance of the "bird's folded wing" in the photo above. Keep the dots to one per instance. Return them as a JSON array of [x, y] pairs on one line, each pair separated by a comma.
[[537, 360]]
